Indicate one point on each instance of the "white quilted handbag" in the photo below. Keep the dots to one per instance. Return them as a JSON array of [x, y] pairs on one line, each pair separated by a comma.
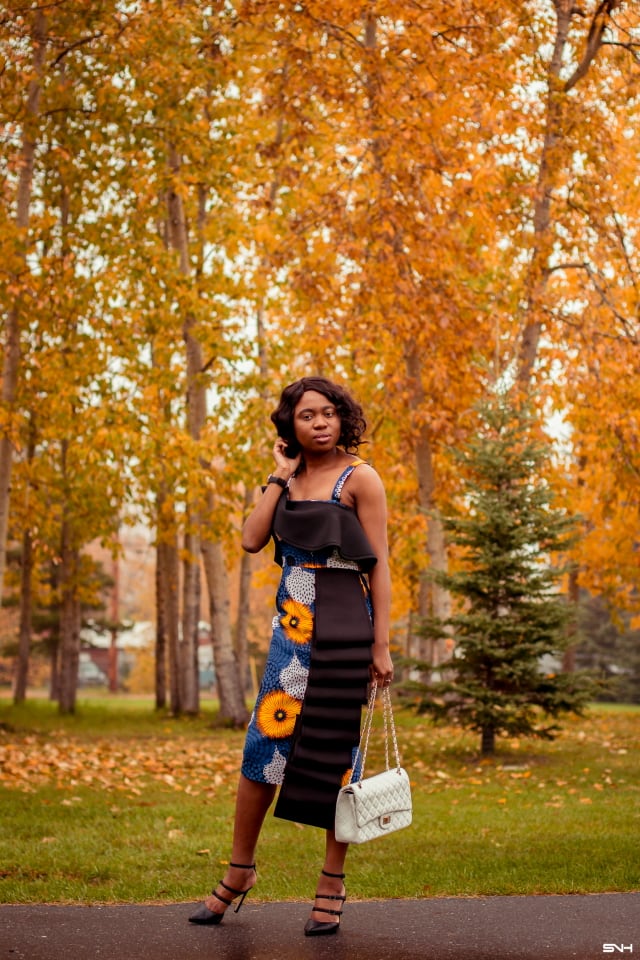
[[378, 805]]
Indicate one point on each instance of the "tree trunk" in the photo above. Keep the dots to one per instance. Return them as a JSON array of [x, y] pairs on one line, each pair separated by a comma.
[[433, 600], [189, 673], [11, 361], [171, 567], [244, 607], [113, 676], [69, 623], [24, 638], [167, 606], [26, 593], [160, 674], [69, 648], [488, 741], [230, 692], [161, 631], [196, 412], [54, 676]]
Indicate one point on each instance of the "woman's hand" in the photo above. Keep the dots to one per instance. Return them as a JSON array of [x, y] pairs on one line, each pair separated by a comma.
[[256, 530], [284, 463], [381, 670]]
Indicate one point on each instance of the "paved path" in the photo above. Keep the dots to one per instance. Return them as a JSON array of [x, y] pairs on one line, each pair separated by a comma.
[[483, 928]]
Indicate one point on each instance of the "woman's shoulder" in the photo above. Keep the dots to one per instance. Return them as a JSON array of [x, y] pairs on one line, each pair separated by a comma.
[[362, 482], [364, 469], [353, 460]]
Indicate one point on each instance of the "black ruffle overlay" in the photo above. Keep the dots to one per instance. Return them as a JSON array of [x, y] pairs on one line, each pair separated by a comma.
[[319, 525]]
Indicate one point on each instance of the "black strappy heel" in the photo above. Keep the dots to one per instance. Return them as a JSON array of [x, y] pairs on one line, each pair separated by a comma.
[[204, 915], [316, 928]]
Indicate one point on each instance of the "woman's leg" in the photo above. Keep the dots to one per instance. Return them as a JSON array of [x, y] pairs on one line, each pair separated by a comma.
[[252, 803], [330, 886]]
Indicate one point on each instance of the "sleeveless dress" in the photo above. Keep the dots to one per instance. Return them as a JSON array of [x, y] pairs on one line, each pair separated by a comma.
[[305, 726]]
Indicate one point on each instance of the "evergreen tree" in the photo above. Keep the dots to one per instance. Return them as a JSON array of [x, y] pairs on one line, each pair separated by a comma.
[[510, 620]]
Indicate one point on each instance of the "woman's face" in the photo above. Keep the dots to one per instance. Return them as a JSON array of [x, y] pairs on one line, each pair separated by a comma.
[[316, 422]]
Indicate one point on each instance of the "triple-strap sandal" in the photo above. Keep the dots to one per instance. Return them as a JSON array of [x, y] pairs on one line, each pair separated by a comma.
[[317, 928], [204, 915]]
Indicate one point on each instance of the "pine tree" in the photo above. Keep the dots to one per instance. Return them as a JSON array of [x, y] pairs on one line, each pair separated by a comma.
[[510, 620]]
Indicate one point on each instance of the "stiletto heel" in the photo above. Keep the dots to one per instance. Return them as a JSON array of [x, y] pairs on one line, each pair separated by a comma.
[[316, 928], [205, 916]]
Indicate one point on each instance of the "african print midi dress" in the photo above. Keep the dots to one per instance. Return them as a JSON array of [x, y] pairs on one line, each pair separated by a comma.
[[305, 727]]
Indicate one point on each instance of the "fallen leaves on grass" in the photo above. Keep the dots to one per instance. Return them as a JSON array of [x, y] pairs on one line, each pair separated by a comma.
[[613, 737], [31, 762], [204, 768]]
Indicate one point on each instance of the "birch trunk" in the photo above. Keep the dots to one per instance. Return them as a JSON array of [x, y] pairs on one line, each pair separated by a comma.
[[433, 600], [244, 606], [161, 633], [26, 594], [230, 692], [171, 567], [69, 623], [54, 679], [167, 606], [24, 636], [188, 645]]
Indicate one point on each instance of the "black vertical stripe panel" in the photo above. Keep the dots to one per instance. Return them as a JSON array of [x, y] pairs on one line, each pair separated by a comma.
[[328, 727]]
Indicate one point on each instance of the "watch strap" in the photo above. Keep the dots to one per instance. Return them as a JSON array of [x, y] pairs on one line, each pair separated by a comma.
[[281, 483]]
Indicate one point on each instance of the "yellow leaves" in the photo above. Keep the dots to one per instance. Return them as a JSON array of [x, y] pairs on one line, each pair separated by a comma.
[[116, 767]]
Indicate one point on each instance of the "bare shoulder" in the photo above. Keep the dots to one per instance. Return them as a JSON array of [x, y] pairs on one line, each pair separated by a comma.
[[363, 484]]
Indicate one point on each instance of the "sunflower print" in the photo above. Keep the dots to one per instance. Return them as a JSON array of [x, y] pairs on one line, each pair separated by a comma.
[[297, 621], [346, 777], [276, 715]]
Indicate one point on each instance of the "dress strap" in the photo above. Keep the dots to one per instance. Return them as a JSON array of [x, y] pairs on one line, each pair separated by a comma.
[[342, 479]]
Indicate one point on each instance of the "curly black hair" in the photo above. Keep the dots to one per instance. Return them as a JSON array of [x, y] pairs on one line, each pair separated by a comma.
[[352, 422]]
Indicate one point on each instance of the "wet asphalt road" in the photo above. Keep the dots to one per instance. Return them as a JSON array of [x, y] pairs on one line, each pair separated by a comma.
[[483, 928]]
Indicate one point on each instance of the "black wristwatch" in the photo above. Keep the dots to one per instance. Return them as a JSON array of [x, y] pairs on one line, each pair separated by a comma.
[[281, 483]]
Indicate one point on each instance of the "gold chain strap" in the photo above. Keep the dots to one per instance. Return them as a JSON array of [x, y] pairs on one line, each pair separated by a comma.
[[388, 725]]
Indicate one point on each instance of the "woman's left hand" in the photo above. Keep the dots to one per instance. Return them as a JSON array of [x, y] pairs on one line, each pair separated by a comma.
[[381, 670]]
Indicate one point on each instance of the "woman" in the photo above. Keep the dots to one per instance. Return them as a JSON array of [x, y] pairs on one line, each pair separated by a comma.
[[326, 511]]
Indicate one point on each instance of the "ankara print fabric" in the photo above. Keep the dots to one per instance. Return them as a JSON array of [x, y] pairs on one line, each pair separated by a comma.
[[286, 672]]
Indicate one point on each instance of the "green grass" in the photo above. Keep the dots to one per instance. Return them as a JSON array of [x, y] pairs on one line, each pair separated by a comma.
[[101, 714], [119, 804]]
